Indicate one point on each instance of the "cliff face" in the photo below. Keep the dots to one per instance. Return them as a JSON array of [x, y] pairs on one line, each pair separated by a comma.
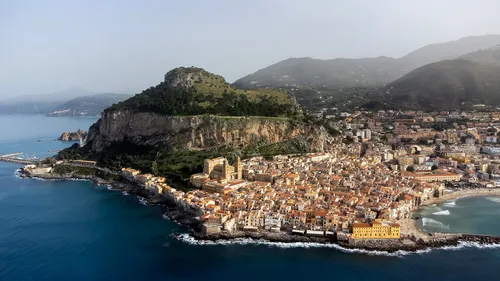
[[73, 136], [198, 132]]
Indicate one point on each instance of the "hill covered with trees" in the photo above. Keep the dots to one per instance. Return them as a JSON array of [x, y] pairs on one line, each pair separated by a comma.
[[194, 91]]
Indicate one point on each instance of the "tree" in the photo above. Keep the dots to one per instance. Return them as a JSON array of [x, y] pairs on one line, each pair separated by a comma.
[[154, 168], [410, 169], [434, 167]]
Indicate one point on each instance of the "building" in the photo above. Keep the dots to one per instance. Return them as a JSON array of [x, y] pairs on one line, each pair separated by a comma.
[[219, 168], [377, 230], [405, 161], [437, 175]]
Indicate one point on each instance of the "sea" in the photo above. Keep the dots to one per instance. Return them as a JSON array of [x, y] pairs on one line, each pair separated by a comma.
[[74, 230]]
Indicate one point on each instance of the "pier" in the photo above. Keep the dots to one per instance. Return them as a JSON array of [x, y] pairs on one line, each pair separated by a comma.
[[9, 158]]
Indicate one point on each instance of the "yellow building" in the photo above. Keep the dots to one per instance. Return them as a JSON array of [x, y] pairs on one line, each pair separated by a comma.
[[377, 230]]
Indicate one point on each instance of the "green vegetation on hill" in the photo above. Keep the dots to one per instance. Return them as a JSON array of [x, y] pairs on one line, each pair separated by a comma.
[[193, 91], [174, 164], [443, 85], [331, 76]]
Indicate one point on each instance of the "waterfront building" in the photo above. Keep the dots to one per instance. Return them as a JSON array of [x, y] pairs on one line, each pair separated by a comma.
[[377, 230]]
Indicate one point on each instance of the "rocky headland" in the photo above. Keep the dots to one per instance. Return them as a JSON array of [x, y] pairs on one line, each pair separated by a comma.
[[73, 136]]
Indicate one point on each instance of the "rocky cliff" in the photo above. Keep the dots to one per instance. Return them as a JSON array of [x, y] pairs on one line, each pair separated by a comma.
[[199, 132], [73, 136]]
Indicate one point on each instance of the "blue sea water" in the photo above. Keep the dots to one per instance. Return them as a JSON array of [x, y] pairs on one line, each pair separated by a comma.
[[73, 230]]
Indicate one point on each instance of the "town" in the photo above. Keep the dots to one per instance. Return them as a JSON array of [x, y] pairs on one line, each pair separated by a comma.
[[360, 189]]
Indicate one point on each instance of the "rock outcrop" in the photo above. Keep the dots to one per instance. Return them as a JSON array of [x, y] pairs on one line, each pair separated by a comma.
[[73, 136], [200, 132]]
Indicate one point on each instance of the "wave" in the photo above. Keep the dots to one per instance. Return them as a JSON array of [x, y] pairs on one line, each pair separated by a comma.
[[249, 241], [451, 203], [442, 213], [432, 222], [142, 200], [186, 238], [494, 199], [17, 174], [125, 193]]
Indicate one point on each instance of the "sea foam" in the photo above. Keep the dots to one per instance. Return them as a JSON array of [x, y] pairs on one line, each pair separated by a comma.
[[432, 222], [142, 200], [451, 203], [186, 238], [494, 199], [442, 213]]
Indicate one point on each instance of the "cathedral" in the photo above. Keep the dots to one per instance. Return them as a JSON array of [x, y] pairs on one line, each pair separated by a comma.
[[219, 168]]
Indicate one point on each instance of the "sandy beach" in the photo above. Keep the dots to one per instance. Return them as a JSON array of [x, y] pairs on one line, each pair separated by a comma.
[[409, 226], [462, 193]]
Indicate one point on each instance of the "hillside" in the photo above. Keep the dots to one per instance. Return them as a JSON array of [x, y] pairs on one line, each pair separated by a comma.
[[444, 85], [194, 91], [312, 73], [37, 104], [171, 128], [449, 50], [92, 105], [491, 56], [365, 72]]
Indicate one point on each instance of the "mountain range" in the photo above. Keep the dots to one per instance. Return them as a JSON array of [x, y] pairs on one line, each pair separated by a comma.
[[439, 76], [450, 84], [366, 72], [90, 105], [68, 103]]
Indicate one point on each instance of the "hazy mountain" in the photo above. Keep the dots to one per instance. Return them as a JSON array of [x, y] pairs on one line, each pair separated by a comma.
[[448, 84], [310, 73], [484, 56], [74, 102], [61, 96], [91, 105], [373, 72], [449, 50]]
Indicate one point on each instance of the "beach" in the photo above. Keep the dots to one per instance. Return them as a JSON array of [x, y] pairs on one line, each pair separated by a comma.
[[409, 226], [462, 193]]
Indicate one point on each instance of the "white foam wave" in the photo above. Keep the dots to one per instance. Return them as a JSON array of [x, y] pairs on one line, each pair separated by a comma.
[[142, 200], [109, 187], [125, 193], [442, 213], [17, 173], [249, 241], [432, 222], [494, 199], [165, 216], [186, 238], [451, 203]]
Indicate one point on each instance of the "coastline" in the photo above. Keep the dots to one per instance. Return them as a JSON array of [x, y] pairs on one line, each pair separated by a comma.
[[414, 240], [462, 194]]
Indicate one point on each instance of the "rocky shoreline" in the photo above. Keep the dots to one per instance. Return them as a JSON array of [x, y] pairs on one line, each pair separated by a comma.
[[181, 216], [171, 209]]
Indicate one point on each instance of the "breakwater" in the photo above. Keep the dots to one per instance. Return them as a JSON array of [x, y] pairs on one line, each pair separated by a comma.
[[17, 161]]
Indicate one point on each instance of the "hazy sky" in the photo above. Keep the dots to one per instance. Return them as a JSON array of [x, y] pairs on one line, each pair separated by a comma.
[[111, 46]]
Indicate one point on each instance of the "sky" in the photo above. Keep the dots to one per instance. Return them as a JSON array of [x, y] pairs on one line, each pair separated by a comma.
[[126, 46]]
